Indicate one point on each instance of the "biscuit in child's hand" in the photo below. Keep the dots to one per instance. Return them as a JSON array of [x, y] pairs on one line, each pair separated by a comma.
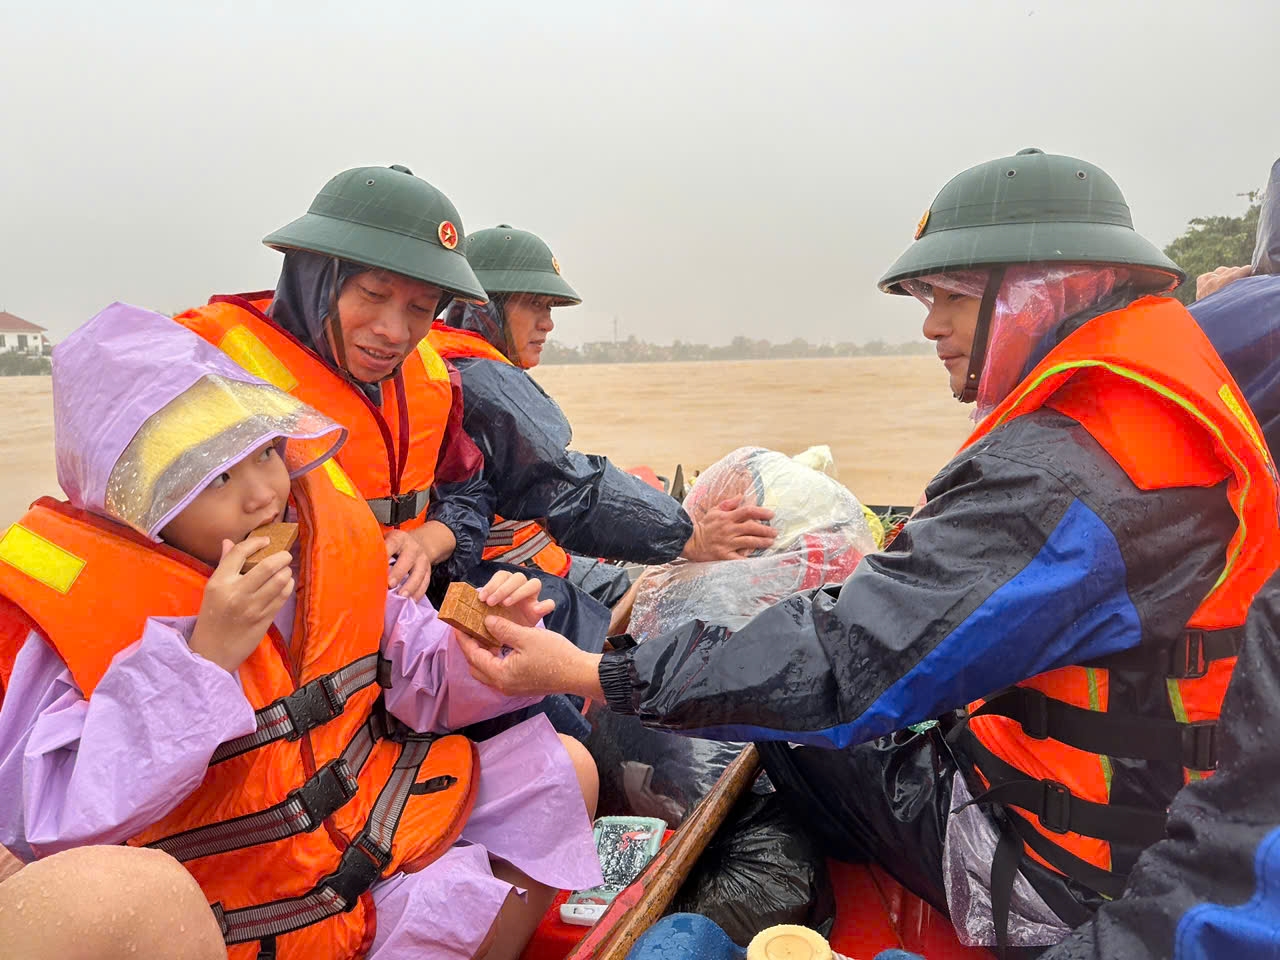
[[463, 610], [282, 537]]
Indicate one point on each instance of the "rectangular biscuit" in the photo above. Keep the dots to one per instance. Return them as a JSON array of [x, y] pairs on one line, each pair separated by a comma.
[[283, 536], [463, 610]]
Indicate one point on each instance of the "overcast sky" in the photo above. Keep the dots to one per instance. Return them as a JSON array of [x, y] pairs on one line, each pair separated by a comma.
[[701, 169]]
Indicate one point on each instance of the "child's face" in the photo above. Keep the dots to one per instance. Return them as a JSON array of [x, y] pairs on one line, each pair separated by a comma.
[[236, 502]]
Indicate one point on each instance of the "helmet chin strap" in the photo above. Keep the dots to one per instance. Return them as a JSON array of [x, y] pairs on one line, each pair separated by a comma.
[[335, 324], [500, 304], [981, 336]]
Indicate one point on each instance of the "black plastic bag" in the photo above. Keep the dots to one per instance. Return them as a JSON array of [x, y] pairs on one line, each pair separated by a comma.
[[759, 870], [652, 773]]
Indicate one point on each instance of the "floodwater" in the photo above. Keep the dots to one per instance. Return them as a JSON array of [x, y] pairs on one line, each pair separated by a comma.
[[890, 421]]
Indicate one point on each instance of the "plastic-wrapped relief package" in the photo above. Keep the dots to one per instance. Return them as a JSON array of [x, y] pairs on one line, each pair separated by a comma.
[[823, 532]]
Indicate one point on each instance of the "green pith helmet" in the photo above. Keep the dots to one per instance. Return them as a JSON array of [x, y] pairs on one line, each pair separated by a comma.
[[1033, 207], [508, 261], [386, 217]]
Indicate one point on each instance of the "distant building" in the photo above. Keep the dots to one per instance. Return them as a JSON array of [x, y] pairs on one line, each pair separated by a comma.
[[22, 336]]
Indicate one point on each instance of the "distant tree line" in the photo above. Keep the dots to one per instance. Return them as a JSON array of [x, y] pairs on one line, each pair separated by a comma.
[[1212, 242], [16, 364], [632, 350]]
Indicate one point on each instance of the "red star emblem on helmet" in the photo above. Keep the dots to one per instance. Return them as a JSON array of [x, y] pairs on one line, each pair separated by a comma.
[[448, 235]]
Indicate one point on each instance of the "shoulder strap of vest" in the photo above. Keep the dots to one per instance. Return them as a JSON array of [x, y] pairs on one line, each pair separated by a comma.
[[450, 342], [1190, 745]]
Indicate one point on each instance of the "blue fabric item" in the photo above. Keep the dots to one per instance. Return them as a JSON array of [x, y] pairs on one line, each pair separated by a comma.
[[683, 936], [1242, 321], [1251, 929], [1072, 594]]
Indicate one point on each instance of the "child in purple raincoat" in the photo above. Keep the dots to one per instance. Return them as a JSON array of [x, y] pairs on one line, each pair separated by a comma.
[[78, 771]]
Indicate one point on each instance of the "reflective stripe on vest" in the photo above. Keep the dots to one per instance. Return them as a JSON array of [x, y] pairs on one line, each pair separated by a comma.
[[259, 806], [392, 450], [1168, 423]]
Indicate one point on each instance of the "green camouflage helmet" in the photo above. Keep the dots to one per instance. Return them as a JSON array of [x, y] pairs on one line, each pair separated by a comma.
[[386, 217], [508, 261], [1032, 207]]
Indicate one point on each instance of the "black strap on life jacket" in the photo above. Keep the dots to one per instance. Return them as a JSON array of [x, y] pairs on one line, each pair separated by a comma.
[[1016, 834], [359, 868], [1057, 808], [1186, 658], [1190, 745], [313, 704]]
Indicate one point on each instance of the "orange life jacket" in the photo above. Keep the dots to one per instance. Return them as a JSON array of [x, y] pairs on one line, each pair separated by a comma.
[[294, 823], [392, 450], [1170, 417], [512, 541]]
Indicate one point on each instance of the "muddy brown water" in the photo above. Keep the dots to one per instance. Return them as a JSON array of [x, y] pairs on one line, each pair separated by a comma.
[[890, 421]]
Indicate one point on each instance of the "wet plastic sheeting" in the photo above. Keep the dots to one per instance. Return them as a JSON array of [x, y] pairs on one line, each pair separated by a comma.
[[652, 773], [822, 534]]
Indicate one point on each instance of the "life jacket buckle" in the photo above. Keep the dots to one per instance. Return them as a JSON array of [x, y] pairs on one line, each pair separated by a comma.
[[359, 869], [1200, 745], [1055, 811], [1189, 661], [329, 789], [399, 508], [365, 844], [311, 705], [1035, 718]]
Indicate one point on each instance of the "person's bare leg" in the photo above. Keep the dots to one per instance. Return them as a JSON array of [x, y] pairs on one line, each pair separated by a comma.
[[9, 864], [518, 918], [584, 767], [107, 903]]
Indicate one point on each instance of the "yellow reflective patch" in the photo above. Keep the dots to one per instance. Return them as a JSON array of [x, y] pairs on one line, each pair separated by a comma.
[[339, 479], [244, 348], [1229, 398], [1095, 704], [436, 370], [40, 559]]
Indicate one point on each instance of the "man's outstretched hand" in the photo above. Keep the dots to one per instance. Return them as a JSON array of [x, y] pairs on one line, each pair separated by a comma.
[[535, 662], [730, 530]]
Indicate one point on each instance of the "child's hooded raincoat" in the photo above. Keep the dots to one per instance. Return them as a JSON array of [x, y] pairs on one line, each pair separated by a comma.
[[146, 415]]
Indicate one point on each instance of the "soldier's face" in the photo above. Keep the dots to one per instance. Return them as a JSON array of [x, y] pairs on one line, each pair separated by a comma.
[[382, 317], [951, 323]]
